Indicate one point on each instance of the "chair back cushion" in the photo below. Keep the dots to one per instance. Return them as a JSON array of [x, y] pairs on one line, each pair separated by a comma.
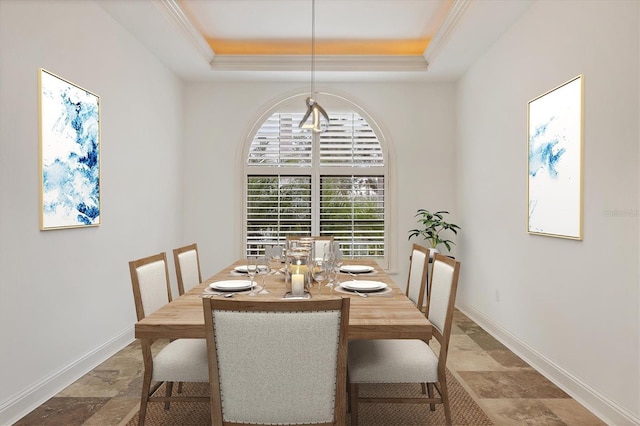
[[189, 269], [152, 279], [441, 283], [277, 367], [416, 274]]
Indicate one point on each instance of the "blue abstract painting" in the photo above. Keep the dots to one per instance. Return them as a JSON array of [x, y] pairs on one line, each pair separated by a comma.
[[555, 162], [69, 154]]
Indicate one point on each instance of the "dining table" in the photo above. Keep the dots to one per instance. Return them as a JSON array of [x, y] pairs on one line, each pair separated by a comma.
[[388, 314]]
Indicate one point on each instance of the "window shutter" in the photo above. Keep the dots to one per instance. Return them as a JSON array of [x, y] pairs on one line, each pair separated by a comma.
[[352, 210], [349, 141], [280, 142], [276, 207]]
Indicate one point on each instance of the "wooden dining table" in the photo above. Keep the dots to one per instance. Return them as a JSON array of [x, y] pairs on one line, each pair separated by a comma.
[[386, 315]]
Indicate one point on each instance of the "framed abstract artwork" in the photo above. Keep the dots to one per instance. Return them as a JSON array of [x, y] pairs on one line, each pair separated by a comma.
[[555, 126], [69, 154]]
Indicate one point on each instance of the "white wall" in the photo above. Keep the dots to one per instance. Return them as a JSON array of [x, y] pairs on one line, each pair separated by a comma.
[[417, 121], [569, 307], [65, 295]]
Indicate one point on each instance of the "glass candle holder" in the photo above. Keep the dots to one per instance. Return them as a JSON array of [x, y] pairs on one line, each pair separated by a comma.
[[297, 272]]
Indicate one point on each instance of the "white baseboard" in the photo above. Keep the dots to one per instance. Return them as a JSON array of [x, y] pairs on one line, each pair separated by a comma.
[[21, 404], [607, 410]]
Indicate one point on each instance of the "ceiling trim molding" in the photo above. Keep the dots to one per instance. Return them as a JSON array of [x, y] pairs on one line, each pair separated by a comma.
[[322, 63], [179, 19], [445, 30]]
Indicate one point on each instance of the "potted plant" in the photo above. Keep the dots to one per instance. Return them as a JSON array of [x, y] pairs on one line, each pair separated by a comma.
[[432, 225]]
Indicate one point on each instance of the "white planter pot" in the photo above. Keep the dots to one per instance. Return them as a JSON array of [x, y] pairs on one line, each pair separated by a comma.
[[432, 252]]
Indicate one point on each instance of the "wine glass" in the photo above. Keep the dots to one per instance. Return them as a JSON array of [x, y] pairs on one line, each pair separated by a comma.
[[276, 257], [328, 263], [337, 263], [319, 273], [264, 267], [252, 269]]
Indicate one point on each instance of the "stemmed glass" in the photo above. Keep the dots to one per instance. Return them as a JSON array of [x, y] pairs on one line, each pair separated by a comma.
[[328, 263], [319, 273], [264, 267], [252, 269], [337, 262], [275, 258]]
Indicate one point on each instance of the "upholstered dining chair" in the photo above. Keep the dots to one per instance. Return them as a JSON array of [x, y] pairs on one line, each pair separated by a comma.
[[187, 264], [418, 281], [181, 360], [409, 360], [277, 362]]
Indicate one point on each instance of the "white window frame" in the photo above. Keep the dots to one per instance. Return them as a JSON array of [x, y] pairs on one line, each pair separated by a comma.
[[293, 104]]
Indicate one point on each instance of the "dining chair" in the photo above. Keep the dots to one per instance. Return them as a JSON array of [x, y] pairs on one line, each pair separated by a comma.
[[277, 362], [187, 264], [410, 360], [181, 360], [418, 281]]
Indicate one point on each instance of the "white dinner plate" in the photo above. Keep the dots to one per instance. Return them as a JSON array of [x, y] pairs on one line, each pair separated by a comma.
[[363, 286], [356, 269], [242, 269], [231, 285]]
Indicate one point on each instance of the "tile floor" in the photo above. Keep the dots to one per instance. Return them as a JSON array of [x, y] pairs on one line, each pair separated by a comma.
[[507, 389]]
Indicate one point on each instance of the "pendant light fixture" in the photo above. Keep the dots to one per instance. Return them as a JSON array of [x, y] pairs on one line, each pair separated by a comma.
[[314, 110]]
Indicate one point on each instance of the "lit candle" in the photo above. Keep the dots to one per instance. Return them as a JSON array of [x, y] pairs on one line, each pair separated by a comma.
[[297, 284]]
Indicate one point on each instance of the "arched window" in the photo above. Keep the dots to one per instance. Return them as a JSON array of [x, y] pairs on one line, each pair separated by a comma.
[[304, 183]]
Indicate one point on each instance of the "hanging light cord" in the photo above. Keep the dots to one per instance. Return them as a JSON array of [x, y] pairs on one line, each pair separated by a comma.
[[313, 46], [312, 105]]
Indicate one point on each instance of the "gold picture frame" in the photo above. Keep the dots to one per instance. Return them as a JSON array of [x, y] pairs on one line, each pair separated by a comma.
[[69, 154], [555, 122]]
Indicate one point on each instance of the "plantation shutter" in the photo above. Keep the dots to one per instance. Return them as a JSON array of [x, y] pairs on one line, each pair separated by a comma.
[[352, 210], [350, 141], [276, 207], [280, 142]]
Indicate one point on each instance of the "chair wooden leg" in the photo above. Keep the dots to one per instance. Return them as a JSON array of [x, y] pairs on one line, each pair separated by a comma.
[[180, 387], [146, 388], [169, 390], [348, 397], [430, 395], [424, 388], [353, 402], [147, 358], [444, 394]]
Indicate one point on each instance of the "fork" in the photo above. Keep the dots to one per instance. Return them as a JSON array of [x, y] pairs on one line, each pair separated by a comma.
[[360, 294], [209, 295]]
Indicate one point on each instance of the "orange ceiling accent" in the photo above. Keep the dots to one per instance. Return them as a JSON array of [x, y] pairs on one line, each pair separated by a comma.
[[323, 47]]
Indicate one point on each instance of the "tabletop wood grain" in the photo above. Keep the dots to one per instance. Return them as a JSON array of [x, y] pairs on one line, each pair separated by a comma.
[[392, 316]]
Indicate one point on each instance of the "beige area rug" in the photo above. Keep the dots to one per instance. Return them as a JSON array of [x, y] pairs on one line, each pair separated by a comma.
[[464, 411]]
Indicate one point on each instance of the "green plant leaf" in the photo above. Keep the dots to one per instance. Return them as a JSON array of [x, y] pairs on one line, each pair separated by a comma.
[[431, 226]]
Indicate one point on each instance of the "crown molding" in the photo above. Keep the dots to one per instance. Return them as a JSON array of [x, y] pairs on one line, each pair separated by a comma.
[[322, 63], [445, 30], [179, 19]]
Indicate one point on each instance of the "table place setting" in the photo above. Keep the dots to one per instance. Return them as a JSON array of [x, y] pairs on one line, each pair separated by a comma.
[[357, 270], [242, 271], [229, 288], [364, 288]]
